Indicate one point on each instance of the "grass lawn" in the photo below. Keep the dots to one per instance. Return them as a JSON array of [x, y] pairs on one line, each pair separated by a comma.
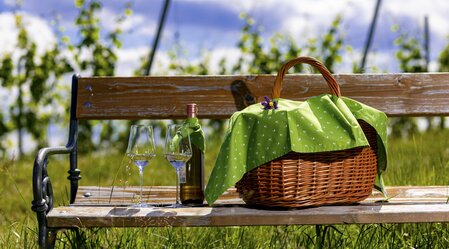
[[419, 160]]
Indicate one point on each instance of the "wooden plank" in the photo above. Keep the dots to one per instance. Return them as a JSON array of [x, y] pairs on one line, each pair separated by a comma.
[[110, 216], [407, 204], [94, 195], [125, 196], [160, 97]]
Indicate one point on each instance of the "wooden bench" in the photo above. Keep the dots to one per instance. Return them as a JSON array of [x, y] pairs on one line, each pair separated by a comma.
[[218, 97]]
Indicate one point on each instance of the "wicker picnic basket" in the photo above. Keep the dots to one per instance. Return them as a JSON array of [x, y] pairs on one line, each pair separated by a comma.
[[313, 179]]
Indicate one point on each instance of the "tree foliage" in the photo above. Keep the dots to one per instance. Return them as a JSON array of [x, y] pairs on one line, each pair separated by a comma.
[[33, 77], [411, 60], [258, 57], [99, 59], [443, 66], [411, 55]]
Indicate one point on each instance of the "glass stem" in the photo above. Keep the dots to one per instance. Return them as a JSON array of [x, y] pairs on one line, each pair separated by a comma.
[[141, 183], [177, 185]]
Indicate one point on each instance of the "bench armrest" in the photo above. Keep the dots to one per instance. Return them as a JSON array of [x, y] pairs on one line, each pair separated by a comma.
[[42, 189]]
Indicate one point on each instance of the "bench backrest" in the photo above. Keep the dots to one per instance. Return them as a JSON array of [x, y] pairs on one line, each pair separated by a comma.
[[165, 97]]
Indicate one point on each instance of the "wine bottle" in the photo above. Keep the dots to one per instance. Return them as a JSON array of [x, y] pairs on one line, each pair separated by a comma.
[[192, 191]]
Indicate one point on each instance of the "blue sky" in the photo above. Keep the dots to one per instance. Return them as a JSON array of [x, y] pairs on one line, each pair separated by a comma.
[[214, 25]]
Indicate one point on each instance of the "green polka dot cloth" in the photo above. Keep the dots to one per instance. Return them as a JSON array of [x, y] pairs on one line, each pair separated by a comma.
[[193, 127], [322, 123]]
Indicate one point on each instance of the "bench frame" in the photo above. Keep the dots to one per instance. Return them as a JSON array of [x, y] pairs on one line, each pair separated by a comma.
[[42, 188], [402, 94]]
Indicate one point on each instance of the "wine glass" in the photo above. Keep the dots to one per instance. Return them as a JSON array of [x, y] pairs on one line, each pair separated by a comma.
[[177, 151], [141, 150]]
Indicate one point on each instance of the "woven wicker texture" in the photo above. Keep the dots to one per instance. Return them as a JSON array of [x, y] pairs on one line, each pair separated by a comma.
[[313, 179]]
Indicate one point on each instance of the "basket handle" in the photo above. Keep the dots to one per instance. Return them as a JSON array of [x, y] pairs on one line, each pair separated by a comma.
[[331, 82]]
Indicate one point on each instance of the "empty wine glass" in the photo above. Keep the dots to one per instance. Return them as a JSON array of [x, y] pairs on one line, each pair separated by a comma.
[[177, 151], [141, 150]]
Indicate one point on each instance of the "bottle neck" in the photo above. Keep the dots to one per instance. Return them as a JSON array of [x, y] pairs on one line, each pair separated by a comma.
[[191, 110]]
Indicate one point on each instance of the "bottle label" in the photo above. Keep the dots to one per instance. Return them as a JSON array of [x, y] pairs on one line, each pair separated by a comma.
[[182, 174]]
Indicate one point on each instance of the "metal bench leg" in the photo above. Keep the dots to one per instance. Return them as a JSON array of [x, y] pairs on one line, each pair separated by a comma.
[[42, 229], [46, 237], [320, 236], [51, 239]]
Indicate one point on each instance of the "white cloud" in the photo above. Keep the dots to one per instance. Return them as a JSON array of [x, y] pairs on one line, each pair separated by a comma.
[[10, 2], [230, 54], [381, 61], [149, 29], [38, 30], [416, 10], [377, 62], [11, 142], [246, 6], [305, 19], [8, 33], [132, 21], [108, 19], [130, 59], [135, 26], [410, 17]]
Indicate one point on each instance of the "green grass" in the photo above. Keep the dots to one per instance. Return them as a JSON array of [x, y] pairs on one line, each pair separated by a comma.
[[419, 160]]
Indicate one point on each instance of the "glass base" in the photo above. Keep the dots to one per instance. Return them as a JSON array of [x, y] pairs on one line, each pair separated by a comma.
[[176, 205], [141, 205]]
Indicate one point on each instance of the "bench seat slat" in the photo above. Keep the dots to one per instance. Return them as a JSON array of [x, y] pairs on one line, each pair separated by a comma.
[[240, 216], [407, 205], [419, 94]]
